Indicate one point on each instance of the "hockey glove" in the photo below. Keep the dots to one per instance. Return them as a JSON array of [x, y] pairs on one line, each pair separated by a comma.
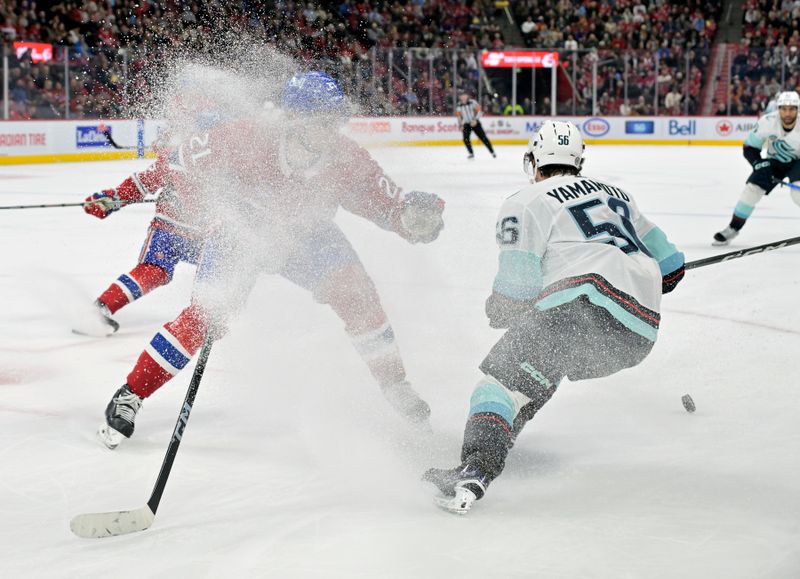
[[102, 204], [762, 174], [670, 281], [503, 311], [421, 217]]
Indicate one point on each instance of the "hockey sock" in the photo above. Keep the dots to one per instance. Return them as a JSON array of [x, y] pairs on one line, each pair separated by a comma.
[[141, 280], [489, 435], [168, 352], [737, 222], [379, 351], [487, 440]]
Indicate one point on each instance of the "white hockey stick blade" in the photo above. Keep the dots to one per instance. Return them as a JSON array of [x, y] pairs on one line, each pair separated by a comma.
[[98, 525]]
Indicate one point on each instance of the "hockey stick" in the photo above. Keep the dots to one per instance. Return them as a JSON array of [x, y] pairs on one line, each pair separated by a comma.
[[98, 525], [743, 252], [84, 204], [113, 143]]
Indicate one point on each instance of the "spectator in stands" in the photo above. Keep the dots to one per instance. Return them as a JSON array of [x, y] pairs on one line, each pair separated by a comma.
[[673, 100], [513, 109]]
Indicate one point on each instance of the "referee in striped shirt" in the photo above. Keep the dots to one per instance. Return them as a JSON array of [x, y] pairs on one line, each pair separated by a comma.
[[468, 112]]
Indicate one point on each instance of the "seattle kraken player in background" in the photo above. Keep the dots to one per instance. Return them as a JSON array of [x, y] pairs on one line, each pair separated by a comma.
[[778, 131], [579, 285]]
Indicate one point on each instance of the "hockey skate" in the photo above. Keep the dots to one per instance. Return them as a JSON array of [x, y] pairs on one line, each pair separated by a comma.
[[98, 323], [120, 417], [407, 402], [725, 236], [460, 486]]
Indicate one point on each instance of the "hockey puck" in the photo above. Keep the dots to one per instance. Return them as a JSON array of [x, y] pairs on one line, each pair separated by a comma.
[[688, 403]]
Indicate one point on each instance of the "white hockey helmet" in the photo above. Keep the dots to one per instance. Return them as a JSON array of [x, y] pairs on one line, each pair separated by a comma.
[[789, 98], [555, 143]]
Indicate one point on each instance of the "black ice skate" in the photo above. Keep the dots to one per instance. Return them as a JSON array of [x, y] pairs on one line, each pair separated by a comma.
[[120, 417], [98, 323], [724, 237], [407, 402], [461, 487]]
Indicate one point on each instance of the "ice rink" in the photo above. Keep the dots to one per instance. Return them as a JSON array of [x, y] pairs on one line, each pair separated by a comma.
[[293, 466]]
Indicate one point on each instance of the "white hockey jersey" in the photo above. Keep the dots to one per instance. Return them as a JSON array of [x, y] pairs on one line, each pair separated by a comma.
[[572, 236], [782, 145]]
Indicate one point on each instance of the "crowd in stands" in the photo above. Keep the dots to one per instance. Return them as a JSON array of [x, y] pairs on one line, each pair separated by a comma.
[[666, 45], [766, 59], [406, 56], [109, 43]]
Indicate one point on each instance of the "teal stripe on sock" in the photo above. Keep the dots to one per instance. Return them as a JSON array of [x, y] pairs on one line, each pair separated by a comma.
[[491, 397], [743, 210]]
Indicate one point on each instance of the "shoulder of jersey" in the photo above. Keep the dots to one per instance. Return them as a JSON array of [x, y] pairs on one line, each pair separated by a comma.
[[769, 117]]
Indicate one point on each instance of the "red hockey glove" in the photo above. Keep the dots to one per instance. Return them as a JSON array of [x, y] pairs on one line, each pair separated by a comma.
[[102, 204], [421, 217]]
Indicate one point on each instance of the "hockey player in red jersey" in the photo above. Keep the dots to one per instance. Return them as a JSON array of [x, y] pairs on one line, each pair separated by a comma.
[[172, 237], [319, 170]]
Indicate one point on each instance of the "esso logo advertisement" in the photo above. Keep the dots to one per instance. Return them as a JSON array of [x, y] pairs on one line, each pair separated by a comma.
[[596, 127], [724, 128]]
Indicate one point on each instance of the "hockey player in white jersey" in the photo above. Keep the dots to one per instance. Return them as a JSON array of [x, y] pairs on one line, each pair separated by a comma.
[[779, 133], [581, 274]]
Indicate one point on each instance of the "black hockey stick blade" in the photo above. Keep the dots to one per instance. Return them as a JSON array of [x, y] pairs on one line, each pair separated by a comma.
[[743, 252], [114, 144], [115, 523]]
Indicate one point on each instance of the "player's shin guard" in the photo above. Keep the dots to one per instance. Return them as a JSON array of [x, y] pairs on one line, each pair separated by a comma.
[[168, 352], [750, 197], [380, 353], [140, 281]]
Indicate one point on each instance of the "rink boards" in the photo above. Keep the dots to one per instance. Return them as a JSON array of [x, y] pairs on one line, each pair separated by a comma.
[[84, 140]]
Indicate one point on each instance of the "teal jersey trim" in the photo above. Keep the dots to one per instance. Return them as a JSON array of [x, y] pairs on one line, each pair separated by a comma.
[[666, 254], [754, 140], [519, 275], [743, 210], [624, 317], [491, 397]]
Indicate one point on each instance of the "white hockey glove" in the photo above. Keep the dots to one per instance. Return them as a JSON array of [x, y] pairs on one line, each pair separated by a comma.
[[421, 217]]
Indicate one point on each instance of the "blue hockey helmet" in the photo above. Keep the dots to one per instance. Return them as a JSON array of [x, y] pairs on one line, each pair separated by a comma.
[[314, 92]]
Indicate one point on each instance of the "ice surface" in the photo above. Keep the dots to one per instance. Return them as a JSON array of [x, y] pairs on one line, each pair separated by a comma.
[[292, 464]]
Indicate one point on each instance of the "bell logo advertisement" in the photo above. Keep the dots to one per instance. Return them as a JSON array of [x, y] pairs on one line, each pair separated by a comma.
[[91, 136], [683, 127]]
